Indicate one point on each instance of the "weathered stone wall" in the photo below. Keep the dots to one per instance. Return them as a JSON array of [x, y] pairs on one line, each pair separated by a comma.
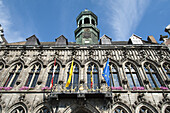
[[126, 99]]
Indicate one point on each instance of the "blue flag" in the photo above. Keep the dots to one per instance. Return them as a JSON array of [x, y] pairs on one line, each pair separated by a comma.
[[106, 73]]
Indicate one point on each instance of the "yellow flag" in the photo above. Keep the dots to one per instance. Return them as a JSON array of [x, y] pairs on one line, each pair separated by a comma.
[[70, 75]]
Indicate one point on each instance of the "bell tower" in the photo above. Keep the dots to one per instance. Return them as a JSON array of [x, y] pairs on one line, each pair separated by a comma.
[[87, 31]]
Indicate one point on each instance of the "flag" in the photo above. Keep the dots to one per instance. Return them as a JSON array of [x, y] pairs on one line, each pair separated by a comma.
[[53, 73], [91, 73], [106, 73], [70, 75]]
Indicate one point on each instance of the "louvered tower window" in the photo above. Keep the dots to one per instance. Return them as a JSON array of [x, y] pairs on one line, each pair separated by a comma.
[[92, 73], [13, 75], [33, 75], [114, 76], [132, 75], [75, 77], [56, 75], [152, 75], [166, 67]]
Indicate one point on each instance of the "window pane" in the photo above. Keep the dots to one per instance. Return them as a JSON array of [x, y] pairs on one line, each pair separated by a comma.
[[156, 80], [8, 80], [35, 80], [49, 80], [151, 81], [116, 80], [131, 84], [136, 80], [28, 80], [14, 80]]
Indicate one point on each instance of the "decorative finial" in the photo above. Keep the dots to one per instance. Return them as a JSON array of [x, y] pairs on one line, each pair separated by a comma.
[[86, 9]]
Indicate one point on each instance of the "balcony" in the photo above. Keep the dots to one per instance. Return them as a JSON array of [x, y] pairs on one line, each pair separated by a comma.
[[80, 91]]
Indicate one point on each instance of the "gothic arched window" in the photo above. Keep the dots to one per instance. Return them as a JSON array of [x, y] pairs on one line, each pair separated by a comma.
[[18, 110], [56, 75], [132, 75], [43, 110], [114, 76], [1, 66], [92, 75], [166, 67], [86, 21], [75, 77], [143, 109], [152, 75], [33, 75], [119, 110], [13, 75]]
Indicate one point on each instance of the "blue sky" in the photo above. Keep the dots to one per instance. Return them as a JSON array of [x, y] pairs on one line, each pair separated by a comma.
[[48, 19]]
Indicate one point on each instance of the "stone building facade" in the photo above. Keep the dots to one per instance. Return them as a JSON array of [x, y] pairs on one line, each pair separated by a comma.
[[139, 74]]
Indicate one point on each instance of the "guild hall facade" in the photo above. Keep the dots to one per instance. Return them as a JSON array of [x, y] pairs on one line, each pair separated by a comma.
[[139, 73]]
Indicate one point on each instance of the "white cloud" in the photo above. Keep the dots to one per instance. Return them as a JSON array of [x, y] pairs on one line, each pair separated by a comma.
[[124, 16], [5, 21]]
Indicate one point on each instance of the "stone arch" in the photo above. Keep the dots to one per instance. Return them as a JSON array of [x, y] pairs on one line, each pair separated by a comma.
[[135, 65], [147, 106], [19, 105], [156, 68], [165, 107], [51, 62], [18, 60], [93, 61], [76, 107], [36, 60], [157, 64], [42, 106], [121, 106], [86, 20]]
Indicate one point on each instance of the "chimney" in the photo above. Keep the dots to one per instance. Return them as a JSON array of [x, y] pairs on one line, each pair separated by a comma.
[[151, 39]]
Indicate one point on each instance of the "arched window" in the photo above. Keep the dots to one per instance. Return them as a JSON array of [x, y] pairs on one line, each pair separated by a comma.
[[75, 77], [56, 75], [166, 67], [167, 110], [18, 110], [13, 75], [114, 78], [92, 75], [80, 22], [119, 110], [1, 66], [86, 21], [132, 75], [33, 75], [43, 110], [92, 21], [152, 75], [143, 109]]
